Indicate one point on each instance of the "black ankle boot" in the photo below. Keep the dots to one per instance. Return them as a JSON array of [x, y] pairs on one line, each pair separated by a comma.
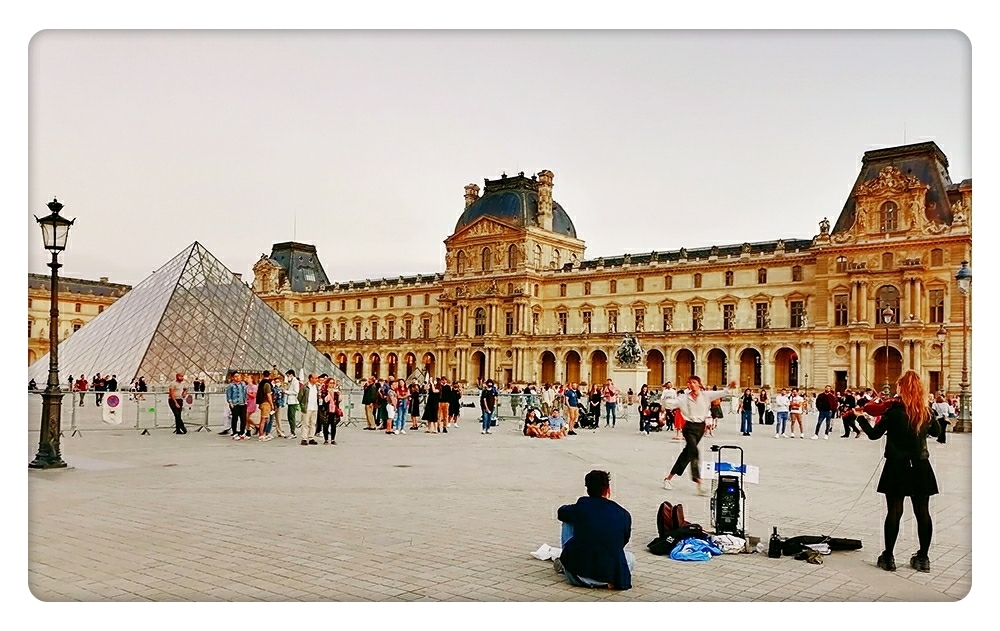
[[920, 563], [886, 562]]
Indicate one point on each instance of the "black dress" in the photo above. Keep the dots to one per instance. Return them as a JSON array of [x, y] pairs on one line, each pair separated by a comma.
[[454, 400], [431, 406], [907, 470]]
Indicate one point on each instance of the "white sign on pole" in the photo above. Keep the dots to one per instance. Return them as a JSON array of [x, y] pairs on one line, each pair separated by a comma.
[[111, 409]]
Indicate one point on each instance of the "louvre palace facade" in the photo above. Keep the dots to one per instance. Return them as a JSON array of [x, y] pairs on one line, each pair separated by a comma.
[[518, 300]]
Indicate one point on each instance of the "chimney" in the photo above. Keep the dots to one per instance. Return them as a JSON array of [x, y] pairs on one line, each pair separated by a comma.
[[104, 279], [471, 194], [545, 199]]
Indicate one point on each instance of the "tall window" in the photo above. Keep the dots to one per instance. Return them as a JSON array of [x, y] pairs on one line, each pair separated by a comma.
[[407, 329], [538, 256], [796, 273], [728, 317], [888, 296], [613, 287], [763, 321], [509, 322], [455, 328], [77, 307], [76, 327], [697, 281], [612, 321], [343, 331], [840, 310], [937, 257], [30, 324], [697, 313], [761, 276], [374, 325], [343, 305], [562, 289], [487, 260], [295, 306], [480, 322], [392, 329], [327, 329], [668, 282], [887, 260], [327, 305], [729, 278], [640, 284], [937, 305], [798, 314], [586, 288], [563, 318], [587, 322], [640, 320], [375, 303], [556, 259], [535, 290], [312, 330], [888, 217], [668, 318], [510, 289], [314, 306], [427, 299], [460, 262], [535, 317], [392, 301], [100, 308], [358, 306], [409, 300], [357, 330], [841, 264], [512, 256], [427, 328]]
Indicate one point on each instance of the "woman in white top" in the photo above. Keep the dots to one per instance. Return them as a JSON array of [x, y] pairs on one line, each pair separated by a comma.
[[696, 407]]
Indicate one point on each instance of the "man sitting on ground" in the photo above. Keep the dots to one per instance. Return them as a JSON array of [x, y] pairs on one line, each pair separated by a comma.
[[557, 428], [594, 533]]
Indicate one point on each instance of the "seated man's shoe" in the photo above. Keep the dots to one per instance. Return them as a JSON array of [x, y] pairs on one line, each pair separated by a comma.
[[557, 565], [919, 563], [886, 562]]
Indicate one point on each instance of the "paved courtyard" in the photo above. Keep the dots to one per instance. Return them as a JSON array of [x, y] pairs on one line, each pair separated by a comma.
[[454, 517]]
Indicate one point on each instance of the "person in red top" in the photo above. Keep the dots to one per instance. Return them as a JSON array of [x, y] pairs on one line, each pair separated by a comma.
[[81, 387]]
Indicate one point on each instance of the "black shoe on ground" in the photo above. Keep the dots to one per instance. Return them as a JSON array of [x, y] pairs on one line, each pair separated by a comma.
[[887, 563], [920, 564], [224, 432], [571, 433], [313, 442], [444, 429]]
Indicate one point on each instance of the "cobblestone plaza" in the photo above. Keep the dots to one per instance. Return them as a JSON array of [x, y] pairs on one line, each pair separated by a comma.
[[455, 517]]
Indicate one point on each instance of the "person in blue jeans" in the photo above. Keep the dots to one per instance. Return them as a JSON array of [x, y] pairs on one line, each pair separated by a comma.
[[402, 406], [488, 404], [746, 412], [781, 402], [610, 394], [595, 531]]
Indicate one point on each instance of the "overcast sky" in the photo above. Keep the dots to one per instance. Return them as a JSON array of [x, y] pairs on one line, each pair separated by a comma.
[[361, 142]]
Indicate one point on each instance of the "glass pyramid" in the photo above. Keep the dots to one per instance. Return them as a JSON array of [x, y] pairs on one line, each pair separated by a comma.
[[191, 316]]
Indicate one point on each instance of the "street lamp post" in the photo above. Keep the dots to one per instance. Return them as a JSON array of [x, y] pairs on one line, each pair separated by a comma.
[[55, 231], [964, 279], [942, 335], [887, 320]]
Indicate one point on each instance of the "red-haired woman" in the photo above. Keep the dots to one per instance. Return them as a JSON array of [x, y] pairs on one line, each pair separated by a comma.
[[906, 421]]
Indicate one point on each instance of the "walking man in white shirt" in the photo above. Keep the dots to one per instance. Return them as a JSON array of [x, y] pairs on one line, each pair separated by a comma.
[[666, 394], [309, 405], [292, 396], [695, 406], [781, 402]]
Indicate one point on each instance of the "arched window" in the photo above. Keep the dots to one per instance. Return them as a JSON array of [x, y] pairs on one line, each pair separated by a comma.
[[538, 256], [510, 289], [888, 217], [887, 260], [487, 260], [556, 259], [841, 263], [460, 262], [614, 287], [480, 322], [512, 256], [888, 296], [762, 276], [536, 290], [729, 278], [640, 284], [697, 280]]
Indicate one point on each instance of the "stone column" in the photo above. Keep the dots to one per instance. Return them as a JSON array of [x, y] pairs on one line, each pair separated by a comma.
[[919, 299], [853, 306], [906, 354], [906, 308], [559, 376], [917, 357], [767, 367], [863, 365]]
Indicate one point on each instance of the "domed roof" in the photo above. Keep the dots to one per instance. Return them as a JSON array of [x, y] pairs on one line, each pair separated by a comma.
[[514, 200]]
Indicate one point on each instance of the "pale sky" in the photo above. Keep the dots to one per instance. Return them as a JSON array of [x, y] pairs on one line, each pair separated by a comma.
[[361, 142]]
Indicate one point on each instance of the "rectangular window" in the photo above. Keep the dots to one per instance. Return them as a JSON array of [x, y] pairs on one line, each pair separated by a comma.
[[76, 327], [392, 301], [763, 320], [508, 318], [374, 325], [586, 288], [728, 317], [326, 330], [796, 273], [295, 326], [427, 328], [409, 300], [30, 323], [798, 314], [454, 327], [587, 322], [358, 306], [357, 331], [76, 307], [697, 281], [535, 317], [668, 282], [407, 328], [312, 330], [343, 331], [640, 284], [375, 303], [100, 308], [427, 299], [840, 310], [937, 305], [697, 313], [392, 329], [613, 287], [612, 321], [761, 276], [327, 305], [314, 306], [562, 289], [563, 317], [668, 317], [343, 305], [640, 320]]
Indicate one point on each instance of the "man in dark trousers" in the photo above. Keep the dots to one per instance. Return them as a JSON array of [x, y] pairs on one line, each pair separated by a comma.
[[368, 400], [826, 405], [594, 533]]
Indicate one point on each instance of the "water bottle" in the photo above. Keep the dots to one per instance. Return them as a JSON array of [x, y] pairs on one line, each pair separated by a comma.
[[774, 546]]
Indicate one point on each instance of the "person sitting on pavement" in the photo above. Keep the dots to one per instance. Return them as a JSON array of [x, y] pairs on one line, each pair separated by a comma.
[[595, 531], [532, 419], [557, 428]]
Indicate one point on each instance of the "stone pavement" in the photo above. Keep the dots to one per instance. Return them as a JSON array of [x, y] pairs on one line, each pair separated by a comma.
[[454, 517]]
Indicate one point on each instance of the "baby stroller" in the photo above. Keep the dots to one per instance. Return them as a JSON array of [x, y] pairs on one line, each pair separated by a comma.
[[649, 419], [586, 419]]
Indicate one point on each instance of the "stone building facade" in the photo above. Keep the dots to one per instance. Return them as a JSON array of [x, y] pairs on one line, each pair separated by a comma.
[[519, 302], [80, 301]]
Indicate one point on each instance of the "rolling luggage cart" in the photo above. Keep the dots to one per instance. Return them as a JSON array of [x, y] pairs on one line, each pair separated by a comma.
[[728, 498]]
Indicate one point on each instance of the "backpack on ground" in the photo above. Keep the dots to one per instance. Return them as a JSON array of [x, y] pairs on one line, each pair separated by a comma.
[[669, 517], [769, 417], [672, 528]]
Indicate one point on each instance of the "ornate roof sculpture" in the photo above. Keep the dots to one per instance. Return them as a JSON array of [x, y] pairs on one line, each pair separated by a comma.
[[516, 201], [193, 315], [300, 262]]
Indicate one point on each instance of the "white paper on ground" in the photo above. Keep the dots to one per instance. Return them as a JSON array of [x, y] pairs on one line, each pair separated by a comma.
[[546, 553]]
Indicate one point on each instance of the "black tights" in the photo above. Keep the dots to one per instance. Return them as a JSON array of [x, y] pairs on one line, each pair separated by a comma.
[[330, 428], [921, 511]]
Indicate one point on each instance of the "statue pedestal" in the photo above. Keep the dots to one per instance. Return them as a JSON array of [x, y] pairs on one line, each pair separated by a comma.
[[626, 378]]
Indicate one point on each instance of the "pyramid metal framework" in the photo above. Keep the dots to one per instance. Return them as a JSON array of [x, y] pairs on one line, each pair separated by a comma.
[[193, 316]]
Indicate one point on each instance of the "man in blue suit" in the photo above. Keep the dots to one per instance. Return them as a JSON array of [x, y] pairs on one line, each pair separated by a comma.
[[595, 531]]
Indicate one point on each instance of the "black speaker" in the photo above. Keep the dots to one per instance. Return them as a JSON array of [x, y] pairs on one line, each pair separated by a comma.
[[727, 505]]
